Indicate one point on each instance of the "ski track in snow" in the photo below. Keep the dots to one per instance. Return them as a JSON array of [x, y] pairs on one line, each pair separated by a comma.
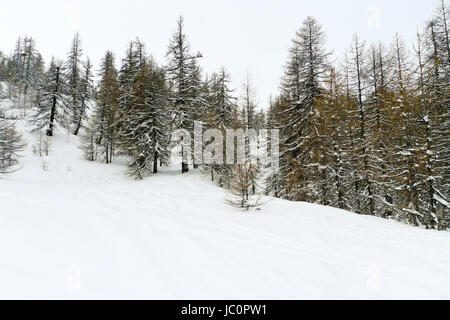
[[86, 230]]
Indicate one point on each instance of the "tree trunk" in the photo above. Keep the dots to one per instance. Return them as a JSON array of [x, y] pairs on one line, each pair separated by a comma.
[[53, 111], [155, 164], [77, 128], [184, 165]]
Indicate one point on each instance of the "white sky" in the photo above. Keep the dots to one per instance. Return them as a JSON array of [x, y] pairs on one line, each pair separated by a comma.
[[241, 35]]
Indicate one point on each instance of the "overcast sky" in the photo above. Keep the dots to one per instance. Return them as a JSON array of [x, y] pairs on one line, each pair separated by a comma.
[[245, 35]]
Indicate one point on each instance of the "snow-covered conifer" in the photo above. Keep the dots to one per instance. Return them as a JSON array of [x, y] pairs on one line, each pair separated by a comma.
[[51, 102], [85, 94], [183, 76], [107, 107], [73, 76]]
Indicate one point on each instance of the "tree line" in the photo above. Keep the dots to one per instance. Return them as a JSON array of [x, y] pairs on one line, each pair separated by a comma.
[[369, 134], [372, 134]]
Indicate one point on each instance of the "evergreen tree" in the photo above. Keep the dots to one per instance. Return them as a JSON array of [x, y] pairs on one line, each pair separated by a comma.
[[149, 136], [74, 78], [26, 69], [435, 99], [379, 118], [3, 67], [11, 145], [358, 86], [86, 88], [403, 137], [107, 108], [51, 101], [182, 72], [222, 115], [131, 65], [251, 121], [301, 84], [334, 133]]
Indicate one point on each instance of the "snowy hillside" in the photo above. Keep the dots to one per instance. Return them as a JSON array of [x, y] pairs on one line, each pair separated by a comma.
[[86, 230]]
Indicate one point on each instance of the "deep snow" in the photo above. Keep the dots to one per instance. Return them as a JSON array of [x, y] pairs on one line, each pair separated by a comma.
[[84, 230]]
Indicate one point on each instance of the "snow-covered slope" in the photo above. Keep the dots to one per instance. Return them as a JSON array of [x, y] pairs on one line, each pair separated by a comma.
[[86, 230]]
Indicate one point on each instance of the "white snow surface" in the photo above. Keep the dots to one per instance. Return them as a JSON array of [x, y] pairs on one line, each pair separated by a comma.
[[85, 230]]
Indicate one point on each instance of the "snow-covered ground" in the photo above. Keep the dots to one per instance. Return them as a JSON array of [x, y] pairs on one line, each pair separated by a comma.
[[84, 230]]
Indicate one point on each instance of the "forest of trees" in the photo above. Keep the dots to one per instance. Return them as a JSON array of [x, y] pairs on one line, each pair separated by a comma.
[[370, 134]]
